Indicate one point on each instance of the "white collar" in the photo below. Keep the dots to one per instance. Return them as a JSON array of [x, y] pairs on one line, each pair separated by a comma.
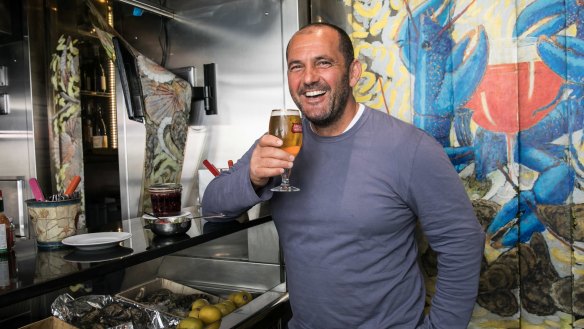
[[359, 113]]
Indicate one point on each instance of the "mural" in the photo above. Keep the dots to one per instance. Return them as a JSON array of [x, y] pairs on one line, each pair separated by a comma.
[[499, 84], [66, 149]]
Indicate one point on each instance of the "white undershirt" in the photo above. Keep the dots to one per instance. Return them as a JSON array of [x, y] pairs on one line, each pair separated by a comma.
[[356, 117]]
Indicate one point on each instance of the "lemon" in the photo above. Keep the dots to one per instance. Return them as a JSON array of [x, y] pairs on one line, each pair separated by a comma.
[[231, 297], [230, 305], [194, 313], [210, 314], [223, 308], [190, 323], [199, 303], [214, 325], [241, 298], [247, 295]]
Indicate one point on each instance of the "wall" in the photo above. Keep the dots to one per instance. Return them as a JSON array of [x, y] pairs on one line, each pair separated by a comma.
[[499, 84]]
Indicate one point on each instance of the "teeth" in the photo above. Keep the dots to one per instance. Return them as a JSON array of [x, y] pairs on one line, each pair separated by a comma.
[[314, 93]]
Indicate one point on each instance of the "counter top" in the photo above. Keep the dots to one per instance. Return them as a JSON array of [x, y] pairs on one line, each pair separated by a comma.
[[40, 271]]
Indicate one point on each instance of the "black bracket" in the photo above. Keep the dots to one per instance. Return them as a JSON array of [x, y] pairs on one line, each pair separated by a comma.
[[208, 92]]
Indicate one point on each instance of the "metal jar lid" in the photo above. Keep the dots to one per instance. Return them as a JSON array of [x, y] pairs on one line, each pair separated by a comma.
[[164, 187]]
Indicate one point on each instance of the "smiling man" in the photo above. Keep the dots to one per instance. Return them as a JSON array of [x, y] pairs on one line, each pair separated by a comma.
[[365, 180]]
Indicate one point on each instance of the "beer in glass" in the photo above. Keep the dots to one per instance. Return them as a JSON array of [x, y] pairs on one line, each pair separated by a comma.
[[287, 125]]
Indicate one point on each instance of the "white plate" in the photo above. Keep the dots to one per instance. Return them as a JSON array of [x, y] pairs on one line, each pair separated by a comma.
[[96, 241]]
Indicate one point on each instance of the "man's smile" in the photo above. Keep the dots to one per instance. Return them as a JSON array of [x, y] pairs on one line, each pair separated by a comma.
[[314, 93]]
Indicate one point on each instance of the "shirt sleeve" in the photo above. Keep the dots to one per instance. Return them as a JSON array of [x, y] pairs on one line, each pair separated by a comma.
[[445, 212], [232, 192]]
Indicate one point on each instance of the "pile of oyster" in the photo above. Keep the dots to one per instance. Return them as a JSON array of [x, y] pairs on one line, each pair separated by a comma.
[[104, 311]]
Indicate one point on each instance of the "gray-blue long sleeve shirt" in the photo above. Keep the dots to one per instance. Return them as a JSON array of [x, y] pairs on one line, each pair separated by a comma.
[[348, 235]]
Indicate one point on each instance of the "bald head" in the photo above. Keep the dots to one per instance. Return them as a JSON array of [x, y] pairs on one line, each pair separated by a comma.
[[345, 44]]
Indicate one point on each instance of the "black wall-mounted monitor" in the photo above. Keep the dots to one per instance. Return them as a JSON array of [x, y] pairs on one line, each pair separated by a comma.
[[129, 81]]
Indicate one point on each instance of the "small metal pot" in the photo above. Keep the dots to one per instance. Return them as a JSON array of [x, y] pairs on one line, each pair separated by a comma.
[[168, 229]]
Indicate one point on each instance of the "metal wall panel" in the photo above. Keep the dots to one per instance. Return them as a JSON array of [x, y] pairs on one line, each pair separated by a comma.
[[15, 128], [24, 131]]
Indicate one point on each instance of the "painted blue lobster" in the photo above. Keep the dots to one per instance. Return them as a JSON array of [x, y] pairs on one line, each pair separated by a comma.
[[444, 78], [544, 19]]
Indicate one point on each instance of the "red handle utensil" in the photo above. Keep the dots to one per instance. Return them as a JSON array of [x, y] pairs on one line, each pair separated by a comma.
[[72, 185], [36, 189], [211, 168]]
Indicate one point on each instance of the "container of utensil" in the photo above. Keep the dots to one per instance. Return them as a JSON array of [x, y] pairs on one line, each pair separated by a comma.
[[53, 221]]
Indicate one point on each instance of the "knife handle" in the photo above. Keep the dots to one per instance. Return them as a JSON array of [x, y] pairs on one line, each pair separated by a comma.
[[36, 189], [72, 185], [211, 168]]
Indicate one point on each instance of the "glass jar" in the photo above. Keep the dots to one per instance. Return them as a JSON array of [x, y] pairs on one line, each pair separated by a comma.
[[166, 199]]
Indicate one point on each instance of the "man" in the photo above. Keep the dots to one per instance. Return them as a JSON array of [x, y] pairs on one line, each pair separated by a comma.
[[365, 179]]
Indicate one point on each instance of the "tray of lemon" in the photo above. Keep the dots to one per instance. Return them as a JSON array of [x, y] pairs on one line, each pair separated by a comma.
[[205, 315]]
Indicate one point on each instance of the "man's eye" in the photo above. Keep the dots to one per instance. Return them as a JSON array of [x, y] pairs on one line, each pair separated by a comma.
[[292, 68], [323, 63]]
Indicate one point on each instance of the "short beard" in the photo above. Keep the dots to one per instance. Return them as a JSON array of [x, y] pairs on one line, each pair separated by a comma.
[[336, 106]]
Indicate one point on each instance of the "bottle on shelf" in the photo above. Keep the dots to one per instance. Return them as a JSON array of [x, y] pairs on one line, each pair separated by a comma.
[[87, 77], [100, 136], [86, 70], [88, 125], [100, 80], [6, 232], [102, 86]]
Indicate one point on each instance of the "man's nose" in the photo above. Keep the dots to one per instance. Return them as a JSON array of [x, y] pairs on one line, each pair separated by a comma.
[[310, 75]]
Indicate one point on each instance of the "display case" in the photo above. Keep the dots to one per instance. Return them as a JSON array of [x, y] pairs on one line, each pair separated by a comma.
[[215, 257]]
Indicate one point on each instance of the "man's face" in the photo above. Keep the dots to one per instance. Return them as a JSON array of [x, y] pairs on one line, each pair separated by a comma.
[[318, 77]]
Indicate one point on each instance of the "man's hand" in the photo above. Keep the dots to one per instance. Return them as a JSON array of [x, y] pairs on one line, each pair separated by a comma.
[[268, 160]]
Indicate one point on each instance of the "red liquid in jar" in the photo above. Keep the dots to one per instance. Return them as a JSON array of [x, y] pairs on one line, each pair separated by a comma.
[[166, 199]]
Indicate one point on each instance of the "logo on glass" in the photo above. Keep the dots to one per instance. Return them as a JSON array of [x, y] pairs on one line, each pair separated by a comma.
[[297, 128]]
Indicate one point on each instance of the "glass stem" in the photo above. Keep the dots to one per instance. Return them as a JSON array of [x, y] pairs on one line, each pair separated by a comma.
[[285, 178]]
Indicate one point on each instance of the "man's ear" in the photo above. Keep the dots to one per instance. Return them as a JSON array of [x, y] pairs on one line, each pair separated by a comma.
[[354, 72]]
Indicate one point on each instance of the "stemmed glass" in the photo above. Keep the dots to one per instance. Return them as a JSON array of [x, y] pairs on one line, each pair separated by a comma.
[[287, 125]]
